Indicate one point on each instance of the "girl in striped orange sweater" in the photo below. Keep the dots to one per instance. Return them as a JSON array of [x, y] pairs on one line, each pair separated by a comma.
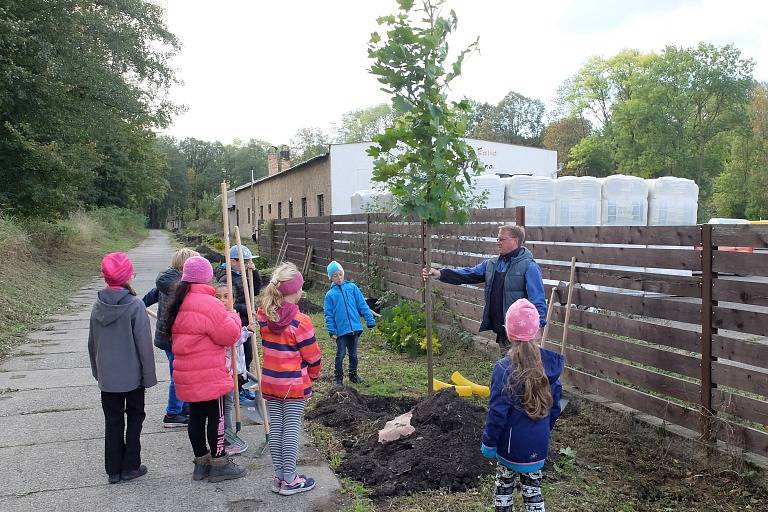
[[291, 363]]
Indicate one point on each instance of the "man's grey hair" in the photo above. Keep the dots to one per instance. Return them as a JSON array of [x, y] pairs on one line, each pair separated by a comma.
[[514, 231]]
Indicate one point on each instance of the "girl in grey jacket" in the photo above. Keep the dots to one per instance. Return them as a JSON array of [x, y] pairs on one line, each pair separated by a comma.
[[122, 361]]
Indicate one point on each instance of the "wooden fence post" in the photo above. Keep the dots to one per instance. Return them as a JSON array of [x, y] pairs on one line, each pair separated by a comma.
[[330, 233], [368, 240], [520, 215], [707, 306]]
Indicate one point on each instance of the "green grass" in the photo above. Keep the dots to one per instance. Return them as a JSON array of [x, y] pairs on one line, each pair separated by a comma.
[[42, 263], [393, 374]]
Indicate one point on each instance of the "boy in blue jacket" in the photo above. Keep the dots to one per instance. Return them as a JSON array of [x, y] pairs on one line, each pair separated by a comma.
[[343, 306], [523, 407]]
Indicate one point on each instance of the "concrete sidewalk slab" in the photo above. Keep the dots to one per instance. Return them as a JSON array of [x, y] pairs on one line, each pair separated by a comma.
[[83, 397], [60, 360]]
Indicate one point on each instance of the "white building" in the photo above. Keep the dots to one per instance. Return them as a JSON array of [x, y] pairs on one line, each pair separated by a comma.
[[352, 168]]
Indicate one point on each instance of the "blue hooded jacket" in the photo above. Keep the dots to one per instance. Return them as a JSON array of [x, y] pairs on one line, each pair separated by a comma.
[[517, 441], [343, 306]]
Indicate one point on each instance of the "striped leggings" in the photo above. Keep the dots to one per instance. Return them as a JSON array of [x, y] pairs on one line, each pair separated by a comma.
[[284, 425], [529, 484]]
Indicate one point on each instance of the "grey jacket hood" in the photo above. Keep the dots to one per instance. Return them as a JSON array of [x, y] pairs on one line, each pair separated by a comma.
[[120, 342], [111, 304]]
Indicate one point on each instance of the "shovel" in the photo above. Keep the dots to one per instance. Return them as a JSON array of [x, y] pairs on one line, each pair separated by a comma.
[[228, 259], [564, 401], [260, 399], [250, 407]]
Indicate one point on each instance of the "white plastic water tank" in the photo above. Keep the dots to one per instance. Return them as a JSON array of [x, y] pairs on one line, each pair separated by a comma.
[[368, 201], [494, 187], [672, 201], [578, 201], [624, 201], [536, 194]]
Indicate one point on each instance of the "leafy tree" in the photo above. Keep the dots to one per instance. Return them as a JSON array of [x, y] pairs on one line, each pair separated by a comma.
[[422, 158], [602, 83], [361, 125], [239, 158], [740, 191], [517, 119], [667, 114], [308, 143], [81, 83], [592, 156], [563, 134], [478, 111]]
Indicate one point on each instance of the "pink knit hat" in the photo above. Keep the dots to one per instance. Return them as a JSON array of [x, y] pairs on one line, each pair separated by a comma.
[[116, 268], [522, 321], [197, 270], [292, 285]]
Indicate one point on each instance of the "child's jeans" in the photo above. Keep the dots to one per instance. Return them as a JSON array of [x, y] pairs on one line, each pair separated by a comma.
[[175, 406], [122, 447], [529, 484], [206, 422], [344, 344]]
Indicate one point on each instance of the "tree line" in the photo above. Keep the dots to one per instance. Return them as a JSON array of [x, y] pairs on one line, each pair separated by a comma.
[[84, 92]]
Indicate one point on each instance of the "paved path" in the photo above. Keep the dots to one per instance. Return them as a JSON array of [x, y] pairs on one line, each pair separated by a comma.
[[52, 428]]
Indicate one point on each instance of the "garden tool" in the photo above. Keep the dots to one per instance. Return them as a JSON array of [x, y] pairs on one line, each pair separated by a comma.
[[260, 398], [571, 285], [235, 389]]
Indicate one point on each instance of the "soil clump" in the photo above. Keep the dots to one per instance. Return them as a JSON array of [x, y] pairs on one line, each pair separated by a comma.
[[443, 452]]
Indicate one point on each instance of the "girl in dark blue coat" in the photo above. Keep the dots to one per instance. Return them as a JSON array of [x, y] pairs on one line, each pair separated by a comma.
[[523, 407]]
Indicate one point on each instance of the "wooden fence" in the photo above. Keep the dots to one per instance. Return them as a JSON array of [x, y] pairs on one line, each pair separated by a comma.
[[666, 322]]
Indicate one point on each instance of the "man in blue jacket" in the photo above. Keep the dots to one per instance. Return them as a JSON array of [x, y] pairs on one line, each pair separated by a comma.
[[343, 306], [510, 276]]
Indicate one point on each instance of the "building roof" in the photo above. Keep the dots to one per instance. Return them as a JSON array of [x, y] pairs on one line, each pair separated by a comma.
[[292, 168]]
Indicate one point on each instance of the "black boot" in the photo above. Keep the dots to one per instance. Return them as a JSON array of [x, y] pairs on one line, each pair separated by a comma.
[[354, 378], [338, 380]]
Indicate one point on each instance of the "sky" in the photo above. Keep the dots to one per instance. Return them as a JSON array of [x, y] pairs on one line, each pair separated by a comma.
[[264, 69]]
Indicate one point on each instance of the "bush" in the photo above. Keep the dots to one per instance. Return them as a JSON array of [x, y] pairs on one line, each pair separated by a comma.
[[13, 240], [404, 329], [118, 222], [260, 262], [50, 238]]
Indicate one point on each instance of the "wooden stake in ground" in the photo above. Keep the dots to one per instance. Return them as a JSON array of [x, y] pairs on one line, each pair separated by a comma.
[[256, 360], [230, 305], [426, 244], [550, 308], [568, 305]]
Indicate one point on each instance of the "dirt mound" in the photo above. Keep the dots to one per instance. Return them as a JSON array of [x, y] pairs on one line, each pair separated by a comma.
[[309, 308], [444, 452]]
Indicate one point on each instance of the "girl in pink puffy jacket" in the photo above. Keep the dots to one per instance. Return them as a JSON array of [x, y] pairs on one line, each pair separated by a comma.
[[201, 329]]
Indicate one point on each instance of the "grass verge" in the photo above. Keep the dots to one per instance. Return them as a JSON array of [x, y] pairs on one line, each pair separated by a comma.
[[42, 263]]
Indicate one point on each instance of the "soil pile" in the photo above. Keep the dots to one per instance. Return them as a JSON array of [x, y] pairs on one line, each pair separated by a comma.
[[444, 452]]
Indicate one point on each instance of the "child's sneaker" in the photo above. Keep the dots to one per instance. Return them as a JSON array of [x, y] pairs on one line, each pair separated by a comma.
[[246, 397], [235, 447], [300, 484], [180, 420], [276, 484]]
